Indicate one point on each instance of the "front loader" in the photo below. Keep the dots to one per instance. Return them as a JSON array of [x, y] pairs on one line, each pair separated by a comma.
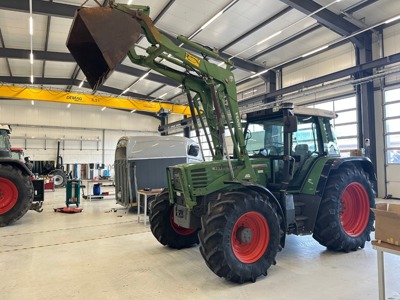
[[283, 175]]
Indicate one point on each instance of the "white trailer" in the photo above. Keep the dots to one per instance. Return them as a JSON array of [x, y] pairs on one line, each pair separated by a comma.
[[141, 162]]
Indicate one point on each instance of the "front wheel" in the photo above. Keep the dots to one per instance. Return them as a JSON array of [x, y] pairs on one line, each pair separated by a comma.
[[345, 220], [163, 227], [16, 194], [240, 236]]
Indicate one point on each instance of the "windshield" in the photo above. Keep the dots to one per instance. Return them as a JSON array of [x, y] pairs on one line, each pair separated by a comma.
[[4, 141], [265, 137]]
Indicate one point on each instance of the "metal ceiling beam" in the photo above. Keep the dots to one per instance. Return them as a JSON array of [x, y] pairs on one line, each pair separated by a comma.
[[378, 63], [286, 41], [3, 46], [67, 57], [41, 7], [328, 19], [256, 28], [259, 99], [358, 6]]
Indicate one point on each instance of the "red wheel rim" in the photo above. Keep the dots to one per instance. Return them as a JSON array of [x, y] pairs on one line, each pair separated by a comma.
[[8, 195], [179, 229], [250, 237], [354, 214]]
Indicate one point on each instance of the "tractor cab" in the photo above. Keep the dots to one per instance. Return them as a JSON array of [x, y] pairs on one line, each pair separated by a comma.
[[291, 139], [17, 153], [5, 146]]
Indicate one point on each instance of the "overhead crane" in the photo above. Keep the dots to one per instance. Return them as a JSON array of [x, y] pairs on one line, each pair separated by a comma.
[[36, 94]]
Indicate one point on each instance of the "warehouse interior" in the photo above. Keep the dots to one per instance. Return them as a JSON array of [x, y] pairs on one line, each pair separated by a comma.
[[341, 56]]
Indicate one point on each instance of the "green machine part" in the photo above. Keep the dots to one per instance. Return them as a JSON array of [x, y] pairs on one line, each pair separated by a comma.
[[73, 192]]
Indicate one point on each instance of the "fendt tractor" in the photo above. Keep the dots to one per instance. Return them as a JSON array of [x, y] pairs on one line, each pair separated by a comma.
[[283, 176], [16, 188]]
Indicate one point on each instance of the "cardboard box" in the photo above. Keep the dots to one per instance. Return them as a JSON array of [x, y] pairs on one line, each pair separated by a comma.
[[356, 152], [387, 223]]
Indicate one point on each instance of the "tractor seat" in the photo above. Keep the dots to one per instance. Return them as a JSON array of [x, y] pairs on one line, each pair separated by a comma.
[[301, 151]]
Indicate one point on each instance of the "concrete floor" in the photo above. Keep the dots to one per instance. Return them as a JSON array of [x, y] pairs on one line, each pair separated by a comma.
[[99, 254]]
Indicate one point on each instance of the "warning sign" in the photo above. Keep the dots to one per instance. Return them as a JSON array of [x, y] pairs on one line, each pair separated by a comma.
[[192, 59]]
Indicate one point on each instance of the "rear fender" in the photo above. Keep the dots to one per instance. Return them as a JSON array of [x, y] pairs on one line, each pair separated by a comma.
[[263, 191], [336, 163], [18, 164], [314, 183], [313, 200]]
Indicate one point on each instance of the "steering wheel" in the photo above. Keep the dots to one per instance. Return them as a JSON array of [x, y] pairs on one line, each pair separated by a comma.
[[274, 148]]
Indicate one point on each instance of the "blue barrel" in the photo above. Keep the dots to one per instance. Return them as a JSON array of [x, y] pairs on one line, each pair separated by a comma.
[[106, 173], [96, 189]]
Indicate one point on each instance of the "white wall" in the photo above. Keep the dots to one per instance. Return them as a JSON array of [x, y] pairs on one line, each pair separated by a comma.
[[88, 134]]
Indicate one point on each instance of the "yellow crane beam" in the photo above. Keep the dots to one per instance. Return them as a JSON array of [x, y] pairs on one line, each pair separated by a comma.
[[28, 93]]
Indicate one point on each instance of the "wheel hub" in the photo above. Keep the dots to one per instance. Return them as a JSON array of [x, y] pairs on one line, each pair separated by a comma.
[[8, 195], [250, 237], [354, 209], [244, 235]]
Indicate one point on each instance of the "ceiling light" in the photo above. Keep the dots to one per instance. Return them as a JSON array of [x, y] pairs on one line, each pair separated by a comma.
[[270, 37], [250, 92], [80, 85], [144, 76], [259, 73], [129, 2], [31, 25], [392, 19], [315, 51], [127, 90], [133, 110], [211, 20], [163, 95], [31, 37], [103, 108], [69, 105], [33, 102]]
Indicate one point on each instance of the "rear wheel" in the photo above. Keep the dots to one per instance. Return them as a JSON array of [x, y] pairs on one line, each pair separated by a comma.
[[163, 227], [240, 236], [345, 221], [16, 194], [59, 177]]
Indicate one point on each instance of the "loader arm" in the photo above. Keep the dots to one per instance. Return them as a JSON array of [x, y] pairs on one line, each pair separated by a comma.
[[213, 86]]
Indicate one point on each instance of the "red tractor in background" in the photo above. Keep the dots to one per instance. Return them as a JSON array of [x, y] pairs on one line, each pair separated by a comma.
[[16, 187]]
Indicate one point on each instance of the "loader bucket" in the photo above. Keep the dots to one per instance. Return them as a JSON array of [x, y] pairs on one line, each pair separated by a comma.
[[99, 39]]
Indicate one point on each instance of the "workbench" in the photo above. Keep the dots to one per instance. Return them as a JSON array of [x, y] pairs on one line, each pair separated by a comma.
[[382, 247], [89, 183]]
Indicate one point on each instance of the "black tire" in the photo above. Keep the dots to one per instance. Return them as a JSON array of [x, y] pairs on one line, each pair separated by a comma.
[[228, 240], [345, 220], [165, 230], [16, 194], [60, 178]]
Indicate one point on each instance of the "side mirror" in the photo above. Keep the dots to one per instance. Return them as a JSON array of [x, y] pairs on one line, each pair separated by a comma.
[[290, 124], [193, 150]]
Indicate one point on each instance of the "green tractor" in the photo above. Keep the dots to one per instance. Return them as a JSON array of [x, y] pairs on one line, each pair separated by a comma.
[[283, 176]]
